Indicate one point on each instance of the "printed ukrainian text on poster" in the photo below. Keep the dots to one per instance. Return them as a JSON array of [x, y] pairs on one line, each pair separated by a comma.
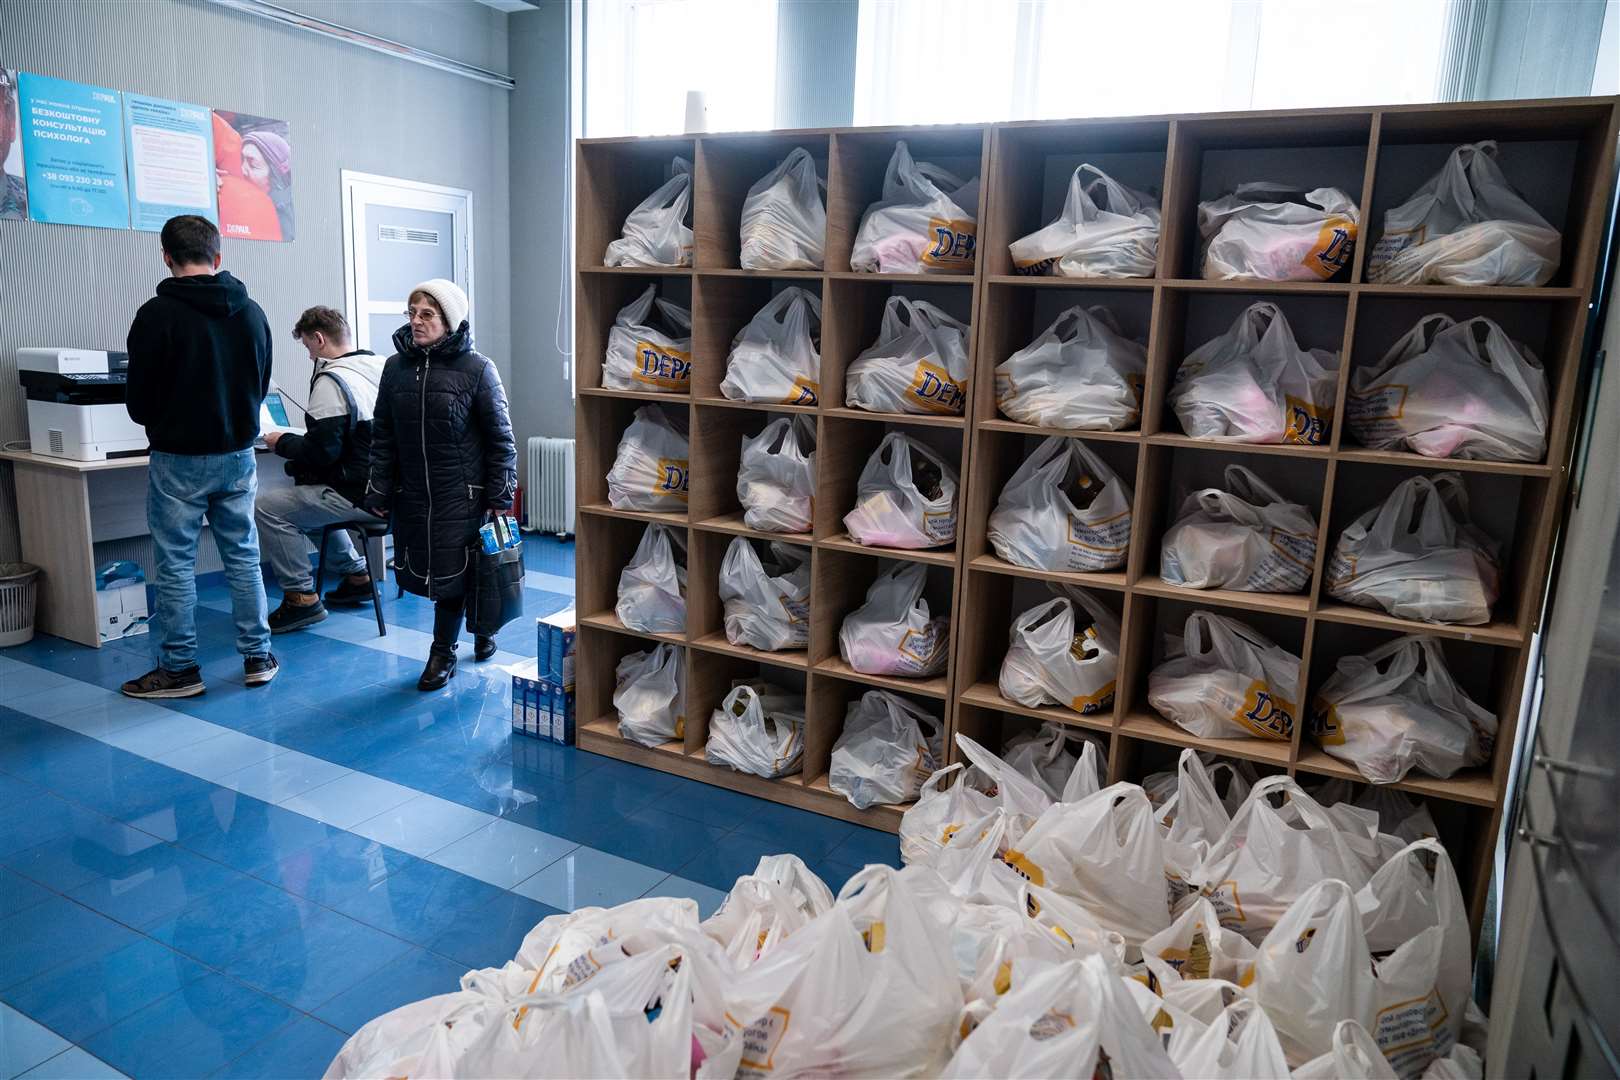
[[171, 160], [73, 148]]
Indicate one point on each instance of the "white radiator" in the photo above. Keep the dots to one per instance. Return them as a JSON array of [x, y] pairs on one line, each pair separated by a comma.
[[548, 492]]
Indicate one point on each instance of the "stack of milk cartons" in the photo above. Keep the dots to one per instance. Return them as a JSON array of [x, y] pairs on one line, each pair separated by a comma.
[[543, 688]]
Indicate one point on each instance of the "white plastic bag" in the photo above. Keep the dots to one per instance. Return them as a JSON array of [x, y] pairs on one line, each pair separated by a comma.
[[648, 357], [926, 222], [918, 364], [1193, 816], [1313, 970], [867, 989], [766, 907], [1059, 656], [905, 498], [1255, 384], [1105, 230], [784, 224], [656, 233], [1418, 556], [892, 632], [1071, 1020], [1228, 681], [1278, 233], [1397, 708], [887, 749], [1465, 226], [1197, 946], [1417, 928], [650, 470], [1245, 537], [649, 694], [759, 729], [776, 477], [1104, 852], [1241, 1044], [1354, 1056], [1043, 756], [983, 787], [652, 586], [1463, 1063], [1399, 817], [776, 356], [1064, 509], [767, 606], [1269, 855], [1080, 374], [1453, 390]]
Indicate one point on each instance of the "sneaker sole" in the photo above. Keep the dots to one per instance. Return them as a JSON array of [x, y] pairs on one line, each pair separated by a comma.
[[260, 678], [178, 692], [310, 620], [358, 601]]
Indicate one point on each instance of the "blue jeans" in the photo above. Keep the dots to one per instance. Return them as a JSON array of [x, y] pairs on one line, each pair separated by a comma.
[[181, 489]]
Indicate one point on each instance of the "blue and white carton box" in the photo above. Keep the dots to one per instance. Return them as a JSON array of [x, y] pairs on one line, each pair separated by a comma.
[[558, 712], [554, 645], [526, 699]]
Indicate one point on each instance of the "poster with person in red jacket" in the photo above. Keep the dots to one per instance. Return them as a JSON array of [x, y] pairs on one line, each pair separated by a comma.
[[253, 164]]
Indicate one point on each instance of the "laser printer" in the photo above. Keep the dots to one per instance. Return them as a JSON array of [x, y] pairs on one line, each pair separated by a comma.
[[76, 404]]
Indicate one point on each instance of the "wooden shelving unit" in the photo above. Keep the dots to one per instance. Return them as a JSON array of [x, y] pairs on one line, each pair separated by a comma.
[[1558, 153]]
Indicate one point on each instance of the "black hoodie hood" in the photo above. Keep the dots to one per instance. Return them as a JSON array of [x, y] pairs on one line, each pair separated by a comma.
[[218, 296]]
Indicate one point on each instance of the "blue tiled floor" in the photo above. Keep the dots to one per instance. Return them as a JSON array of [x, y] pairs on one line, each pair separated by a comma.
[[219, 885]]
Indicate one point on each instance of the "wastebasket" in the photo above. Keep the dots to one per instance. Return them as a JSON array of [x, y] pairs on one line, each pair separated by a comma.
[[17, 603]]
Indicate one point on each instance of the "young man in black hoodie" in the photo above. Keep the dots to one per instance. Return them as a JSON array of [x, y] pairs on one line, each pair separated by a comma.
[[199, 367]]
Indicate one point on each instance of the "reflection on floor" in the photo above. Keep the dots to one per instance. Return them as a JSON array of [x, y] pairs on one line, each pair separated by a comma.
[[228, 885]]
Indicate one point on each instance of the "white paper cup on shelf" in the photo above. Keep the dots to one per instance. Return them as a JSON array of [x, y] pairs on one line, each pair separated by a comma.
[[697, 112]]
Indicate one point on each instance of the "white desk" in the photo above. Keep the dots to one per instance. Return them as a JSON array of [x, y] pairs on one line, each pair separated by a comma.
[[64, 507]]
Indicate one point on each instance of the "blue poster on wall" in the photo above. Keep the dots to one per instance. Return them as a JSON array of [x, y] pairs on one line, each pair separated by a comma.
[[73, 150], [171, 160]]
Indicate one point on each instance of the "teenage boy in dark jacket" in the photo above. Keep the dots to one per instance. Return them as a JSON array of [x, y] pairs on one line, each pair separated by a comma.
[[329, 465], [199, 367]]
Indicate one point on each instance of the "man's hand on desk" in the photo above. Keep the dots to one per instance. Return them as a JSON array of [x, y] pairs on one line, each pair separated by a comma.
[[271, 438]]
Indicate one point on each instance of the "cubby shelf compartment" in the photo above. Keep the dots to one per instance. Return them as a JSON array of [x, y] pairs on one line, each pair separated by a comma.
[[1560, 153]]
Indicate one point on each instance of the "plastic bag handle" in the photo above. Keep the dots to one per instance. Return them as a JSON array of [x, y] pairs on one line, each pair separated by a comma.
[[1257, 320], [1309, 809], [1120, 200], [931, 785]]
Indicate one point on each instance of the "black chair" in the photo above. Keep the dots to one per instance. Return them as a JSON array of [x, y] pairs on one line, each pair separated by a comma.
[[371, 536]]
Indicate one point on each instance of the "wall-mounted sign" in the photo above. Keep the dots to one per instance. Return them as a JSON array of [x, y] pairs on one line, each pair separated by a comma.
[[171, 160], [73, 150], [253, 157]]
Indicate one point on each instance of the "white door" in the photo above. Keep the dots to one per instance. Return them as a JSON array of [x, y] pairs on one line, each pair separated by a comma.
[[398, 233]]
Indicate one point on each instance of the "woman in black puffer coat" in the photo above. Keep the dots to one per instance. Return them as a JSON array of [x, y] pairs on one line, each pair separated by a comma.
[[442, 458]]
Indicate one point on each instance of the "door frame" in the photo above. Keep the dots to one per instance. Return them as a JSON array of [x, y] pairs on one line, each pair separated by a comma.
[[412, 194]]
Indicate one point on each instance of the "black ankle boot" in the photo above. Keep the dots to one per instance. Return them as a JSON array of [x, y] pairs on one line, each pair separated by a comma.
[[483, 647], [441, 664]]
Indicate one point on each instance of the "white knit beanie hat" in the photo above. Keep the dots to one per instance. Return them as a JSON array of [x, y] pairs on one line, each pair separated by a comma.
[[451, 300]]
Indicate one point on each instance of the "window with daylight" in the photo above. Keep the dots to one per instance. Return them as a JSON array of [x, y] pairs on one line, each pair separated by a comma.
[[643, 56], [954, 61]]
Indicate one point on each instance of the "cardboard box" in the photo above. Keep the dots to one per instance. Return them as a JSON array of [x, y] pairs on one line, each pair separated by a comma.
[[526, 698], [554, 645], [559, 710], [121, 611]]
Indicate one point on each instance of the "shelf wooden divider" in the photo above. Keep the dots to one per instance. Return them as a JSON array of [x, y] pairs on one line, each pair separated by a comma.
[[1380, 155]]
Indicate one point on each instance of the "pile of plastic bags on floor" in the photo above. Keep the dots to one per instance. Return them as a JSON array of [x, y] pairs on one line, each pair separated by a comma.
[[1031, 935]]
